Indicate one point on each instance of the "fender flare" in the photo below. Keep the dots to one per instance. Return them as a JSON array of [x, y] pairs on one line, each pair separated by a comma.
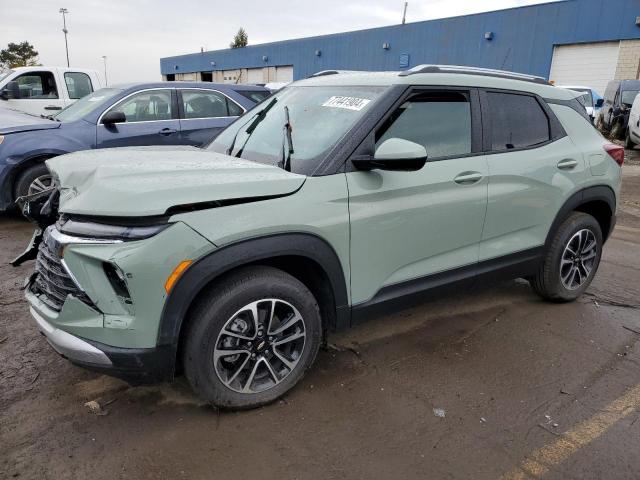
[[234, 255], [597, 193]]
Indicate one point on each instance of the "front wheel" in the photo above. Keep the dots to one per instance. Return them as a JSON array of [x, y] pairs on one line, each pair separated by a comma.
[[33, 180], [252, 338], [571, 261]]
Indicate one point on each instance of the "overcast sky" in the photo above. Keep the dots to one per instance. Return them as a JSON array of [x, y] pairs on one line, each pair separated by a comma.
[[134, 34]]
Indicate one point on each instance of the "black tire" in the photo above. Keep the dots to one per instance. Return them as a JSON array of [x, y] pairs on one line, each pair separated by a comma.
[[547, 282], [628, 143], [219, 306], [28, 177], [617, 132]]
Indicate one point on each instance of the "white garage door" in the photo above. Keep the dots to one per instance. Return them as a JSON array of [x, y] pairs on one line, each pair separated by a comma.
[[254, 75], [284, 73], [589, 64]]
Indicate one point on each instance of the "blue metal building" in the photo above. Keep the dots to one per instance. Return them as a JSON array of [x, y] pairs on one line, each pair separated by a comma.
[[520, 39]]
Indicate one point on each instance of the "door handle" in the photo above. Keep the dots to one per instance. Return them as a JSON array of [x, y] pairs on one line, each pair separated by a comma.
[[567, 164], [52, 107], [468, 178], [167, 131]]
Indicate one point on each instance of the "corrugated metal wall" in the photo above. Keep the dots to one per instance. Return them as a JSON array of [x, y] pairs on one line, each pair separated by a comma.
[[523, 40]]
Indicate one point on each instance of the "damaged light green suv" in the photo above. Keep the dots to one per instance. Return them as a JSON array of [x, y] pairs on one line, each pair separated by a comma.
[[344, 195]]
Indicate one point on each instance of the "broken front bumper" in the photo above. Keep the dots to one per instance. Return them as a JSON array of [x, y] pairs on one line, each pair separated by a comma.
[[90, 323], [134, 365], [69, 346]]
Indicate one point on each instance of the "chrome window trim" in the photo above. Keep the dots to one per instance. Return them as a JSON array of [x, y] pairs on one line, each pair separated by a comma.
[[145, 121], [209, 118], [132, 94]]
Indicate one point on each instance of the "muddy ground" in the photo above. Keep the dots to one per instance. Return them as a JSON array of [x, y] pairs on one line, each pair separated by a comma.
[[527, 389]]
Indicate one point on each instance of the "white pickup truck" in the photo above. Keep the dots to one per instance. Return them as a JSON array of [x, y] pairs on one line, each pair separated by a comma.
[[45, 90]]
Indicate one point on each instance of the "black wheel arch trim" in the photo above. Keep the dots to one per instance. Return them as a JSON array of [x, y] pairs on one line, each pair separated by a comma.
[[244, 252], [602, 193]]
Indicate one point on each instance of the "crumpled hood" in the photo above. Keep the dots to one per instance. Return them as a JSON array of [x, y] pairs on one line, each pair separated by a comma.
[[144, 181], [13, 121]]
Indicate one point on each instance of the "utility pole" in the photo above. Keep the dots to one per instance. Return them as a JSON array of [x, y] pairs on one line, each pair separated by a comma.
[[64, 12], [404, 14], [104, 59]]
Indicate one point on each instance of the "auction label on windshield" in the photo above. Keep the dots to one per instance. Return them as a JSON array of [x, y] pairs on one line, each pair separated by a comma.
[[350, 103]]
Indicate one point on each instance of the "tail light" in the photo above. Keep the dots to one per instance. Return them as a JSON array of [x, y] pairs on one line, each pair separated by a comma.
[[615, 151]]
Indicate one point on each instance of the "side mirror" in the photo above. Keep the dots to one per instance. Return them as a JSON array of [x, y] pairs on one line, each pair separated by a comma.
[[599, 102], [394, 154], [10, 91], [113, 117]]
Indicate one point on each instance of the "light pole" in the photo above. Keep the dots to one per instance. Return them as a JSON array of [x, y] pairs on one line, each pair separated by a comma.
[[64, 11], [104, 59]]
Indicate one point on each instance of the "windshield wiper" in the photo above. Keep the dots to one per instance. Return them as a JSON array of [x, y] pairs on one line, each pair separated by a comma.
[[287, 149], [258, 117]]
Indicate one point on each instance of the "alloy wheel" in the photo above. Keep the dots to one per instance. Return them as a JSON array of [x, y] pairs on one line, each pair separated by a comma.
[[578, 259], [40, 184], [259, 346]]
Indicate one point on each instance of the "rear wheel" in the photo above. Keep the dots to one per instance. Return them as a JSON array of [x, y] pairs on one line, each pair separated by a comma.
[[34, 179], [252, 338], [571, 261]]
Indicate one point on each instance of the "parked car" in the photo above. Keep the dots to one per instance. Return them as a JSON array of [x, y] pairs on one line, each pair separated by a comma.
[[614, 115], [339, 197], [632, 136], [167, 113], [46, 90], [589, 98]]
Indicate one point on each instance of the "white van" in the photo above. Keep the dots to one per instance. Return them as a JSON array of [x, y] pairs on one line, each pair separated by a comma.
[[45, 90], [632, 137]]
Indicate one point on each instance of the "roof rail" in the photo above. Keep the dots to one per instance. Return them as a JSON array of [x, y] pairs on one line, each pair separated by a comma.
[[322, 73], [488, 72]]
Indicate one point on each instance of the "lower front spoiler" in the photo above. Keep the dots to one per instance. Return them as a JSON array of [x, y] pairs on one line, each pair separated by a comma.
[[134, 365]]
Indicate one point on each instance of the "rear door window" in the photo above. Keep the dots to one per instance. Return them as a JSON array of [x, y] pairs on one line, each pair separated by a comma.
[[439, 121], [78, 84], [517, 121], [208, 104]]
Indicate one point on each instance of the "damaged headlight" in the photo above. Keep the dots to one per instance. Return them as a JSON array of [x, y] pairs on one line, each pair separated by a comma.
[[89, 229]]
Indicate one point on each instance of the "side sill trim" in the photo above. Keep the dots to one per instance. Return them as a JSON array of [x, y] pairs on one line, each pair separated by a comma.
[[459, 280]]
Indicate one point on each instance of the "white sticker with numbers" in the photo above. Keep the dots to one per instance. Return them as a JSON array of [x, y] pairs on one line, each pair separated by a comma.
[[350, 103]]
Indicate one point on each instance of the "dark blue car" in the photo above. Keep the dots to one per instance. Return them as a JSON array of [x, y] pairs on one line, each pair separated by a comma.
[[167, 113]]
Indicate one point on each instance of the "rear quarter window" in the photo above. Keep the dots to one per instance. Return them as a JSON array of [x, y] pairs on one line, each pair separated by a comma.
[[255, 95], [517, 121]]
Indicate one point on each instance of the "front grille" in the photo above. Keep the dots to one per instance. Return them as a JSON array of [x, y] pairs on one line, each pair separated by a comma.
[[52, 283]]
